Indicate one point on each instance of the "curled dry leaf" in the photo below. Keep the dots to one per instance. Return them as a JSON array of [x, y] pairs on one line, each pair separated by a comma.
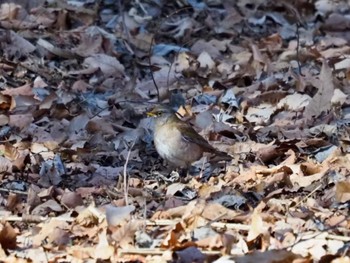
[[205, 61], [90, 216], [116, 215], [8, 236], [268, 256], [47, 207], [71, 199], [257, 226], [294, 102], [109, 66], [189, 255], [260, 114], [104, 251], [321, 101], [342, 191], [17, 45]]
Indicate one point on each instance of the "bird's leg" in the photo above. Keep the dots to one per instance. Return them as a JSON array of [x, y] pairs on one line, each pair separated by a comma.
[[184, 172], [187, 173]]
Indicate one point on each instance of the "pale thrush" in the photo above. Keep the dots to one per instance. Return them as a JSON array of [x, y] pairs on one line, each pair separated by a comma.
[[176, 141]]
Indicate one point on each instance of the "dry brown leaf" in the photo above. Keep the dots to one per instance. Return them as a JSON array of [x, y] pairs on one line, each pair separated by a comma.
[[294, 102], [116, 215], [25, 90], [267, 257], [124, 235], [8, 236], [109, 66], [171, 239], [257, 225], [104, 251], [47, 207], [71, 199], [343, 259], [339, 97], [47, 229], [342, 191], [20, 121], [260, 114], [205, 61], [90, 216], [189, 255], [9, 11], [321, 101], [59, 237]]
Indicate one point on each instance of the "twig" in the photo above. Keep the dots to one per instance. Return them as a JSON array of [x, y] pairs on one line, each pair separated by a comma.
[[306, 197], [151, 47], [150, 67], [171, 64], [125, 174], [33, 218], [40, 72], [324, 235], [337, 237], [202, 168], [298, 43], [147, 251], [165, 222], [13, 191], [122, 101], [299, 22], [162, 222], [121, 13], [231, 226]]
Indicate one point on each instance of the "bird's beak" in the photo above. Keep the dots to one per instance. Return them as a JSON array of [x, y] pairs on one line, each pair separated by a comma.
[[151, 114]]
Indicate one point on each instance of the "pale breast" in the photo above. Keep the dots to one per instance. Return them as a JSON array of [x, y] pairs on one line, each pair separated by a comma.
[[171, 147]]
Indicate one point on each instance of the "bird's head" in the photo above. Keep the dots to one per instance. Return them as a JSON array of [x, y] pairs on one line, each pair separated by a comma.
[[164, 114], [161, 111]]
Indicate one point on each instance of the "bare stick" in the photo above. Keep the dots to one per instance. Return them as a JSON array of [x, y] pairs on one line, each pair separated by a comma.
[[171, 64], [13, 191], [150, 51], [150, 67], [298, 43], [33, 218], [167, 222], [126, 188], [155, 251]]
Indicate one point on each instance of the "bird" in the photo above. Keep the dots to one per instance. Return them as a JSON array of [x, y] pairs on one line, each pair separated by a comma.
[[176, 141]]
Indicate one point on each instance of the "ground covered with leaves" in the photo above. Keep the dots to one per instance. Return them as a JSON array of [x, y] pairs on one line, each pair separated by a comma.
[[268, 82]]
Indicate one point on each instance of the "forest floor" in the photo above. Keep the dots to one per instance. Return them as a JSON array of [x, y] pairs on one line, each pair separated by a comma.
[[268, 82]]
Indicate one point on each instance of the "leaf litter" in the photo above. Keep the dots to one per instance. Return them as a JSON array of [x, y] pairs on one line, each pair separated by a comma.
[[265, 82]]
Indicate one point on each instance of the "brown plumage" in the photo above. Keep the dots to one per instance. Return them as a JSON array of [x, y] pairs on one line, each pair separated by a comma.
[[176, 141]]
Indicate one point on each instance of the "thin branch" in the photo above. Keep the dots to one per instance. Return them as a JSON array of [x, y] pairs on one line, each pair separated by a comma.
[[150, 67], [298, 44], [306, 197], [176, 56], [165, 222], [150, 251], [33, 219], [126, 188], [13, 191], [121, 13], [151, 47]]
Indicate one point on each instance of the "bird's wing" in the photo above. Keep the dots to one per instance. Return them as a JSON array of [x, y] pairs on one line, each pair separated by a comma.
[[190, 135]]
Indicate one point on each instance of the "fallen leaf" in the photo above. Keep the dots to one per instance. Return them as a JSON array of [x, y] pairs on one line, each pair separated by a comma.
[[321, 101], [8, 236], [342, 192], [116, 215]]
